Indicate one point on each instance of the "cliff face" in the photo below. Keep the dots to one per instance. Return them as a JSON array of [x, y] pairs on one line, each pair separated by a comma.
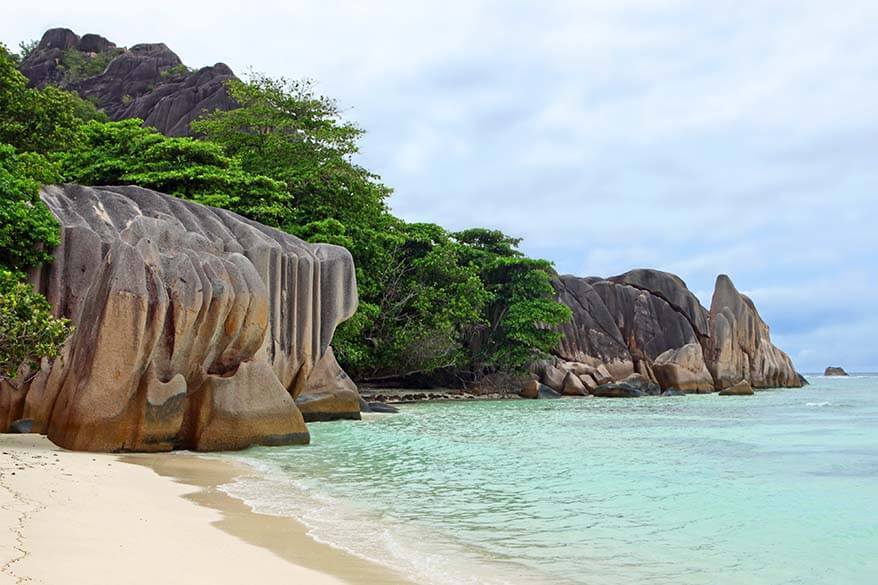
[[196, 328], [147, 81], [648, 322]]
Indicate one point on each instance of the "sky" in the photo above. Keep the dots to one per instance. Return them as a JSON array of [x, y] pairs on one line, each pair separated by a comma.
[[735, 137]]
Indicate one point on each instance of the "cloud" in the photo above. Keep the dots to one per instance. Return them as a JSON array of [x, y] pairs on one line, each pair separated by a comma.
[[697, 137]]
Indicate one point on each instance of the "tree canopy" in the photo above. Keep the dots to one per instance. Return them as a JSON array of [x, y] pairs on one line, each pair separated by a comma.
[[432, 303]]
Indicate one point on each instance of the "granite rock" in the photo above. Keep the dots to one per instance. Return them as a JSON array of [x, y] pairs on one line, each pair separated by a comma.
[[147, 81], [195, 328]]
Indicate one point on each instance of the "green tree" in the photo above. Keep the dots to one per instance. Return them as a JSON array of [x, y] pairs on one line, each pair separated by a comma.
[[25, 48], [28, 230], [126, 152], [283, 130], [38, 120], [28, 331], [521, 317]]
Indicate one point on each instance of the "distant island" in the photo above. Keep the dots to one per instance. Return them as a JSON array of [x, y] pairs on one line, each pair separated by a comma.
[[834, 371]]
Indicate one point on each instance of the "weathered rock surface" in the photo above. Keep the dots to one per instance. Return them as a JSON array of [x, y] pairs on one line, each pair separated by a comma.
[[617, 390], [147, 81], [834, 371], [683, 368], [742, 388], [535, 390], [195, 328], [740, 346], [330, 394], [642, 384], [647, 322]]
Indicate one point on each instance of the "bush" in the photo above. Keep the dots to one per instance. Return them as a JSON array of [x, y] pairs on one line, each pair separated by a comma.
[[28, 331]]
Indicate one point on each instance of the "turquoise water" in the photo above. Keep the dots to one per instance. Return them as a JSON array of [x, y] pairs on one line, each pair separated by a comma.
[[779, 488]]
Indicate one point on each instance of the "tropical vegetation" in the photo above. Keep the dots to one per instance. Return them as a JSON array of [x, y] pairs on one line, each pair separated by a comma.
[[434, 304]]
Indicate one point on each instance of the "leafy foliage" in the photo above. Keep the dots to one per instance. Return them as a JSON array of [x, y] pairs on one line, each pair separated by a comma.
[[29, 120], [25, 48], [27, 227], [284, 131], [113, 153], [78, 65], [39, 120], [28, 331], [522, 315]]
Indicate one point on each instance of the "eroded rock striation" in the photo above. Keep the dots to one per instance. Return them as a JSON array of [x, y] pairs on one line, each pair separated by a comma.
[[147, 81], [195, 328], [648, 323]]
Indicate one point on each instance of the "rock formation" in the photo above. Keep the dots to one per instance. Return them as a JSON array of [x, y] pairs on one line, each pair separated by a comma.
[[647, 322], [834, 371], [742, 388], [147, 81], [329, 394], [195, 328], [740, 347]]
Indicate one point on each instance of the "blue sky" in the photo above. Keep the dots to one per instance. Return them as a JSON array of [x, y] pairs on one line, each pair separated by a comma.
[[695, 137]]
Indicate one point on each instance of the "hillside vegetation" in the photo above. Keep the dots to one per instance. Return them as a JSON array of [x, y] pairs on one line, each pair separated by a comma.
[[435, 306]]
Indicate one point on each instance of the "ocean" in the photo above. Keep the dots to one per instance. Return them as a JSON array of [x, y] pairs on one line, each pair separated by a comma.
[[776, 488]]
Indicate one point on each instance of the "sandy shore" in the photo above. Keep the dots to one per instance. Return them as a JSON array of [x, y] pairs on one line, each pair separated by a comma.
[[83, 518]]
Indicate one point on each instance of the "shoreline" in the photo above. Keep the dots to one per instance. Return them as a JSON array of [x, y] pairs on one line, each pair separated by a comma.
[[80, 518]]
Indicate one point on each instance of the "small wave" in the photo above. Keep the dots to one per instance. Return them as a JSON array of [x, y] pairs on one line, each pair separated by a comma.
[[818, 404], [368, 536]]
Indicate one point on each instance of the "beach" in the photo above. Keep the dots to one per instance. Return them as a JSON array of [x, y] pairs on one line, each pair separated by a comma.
[[87, 518]]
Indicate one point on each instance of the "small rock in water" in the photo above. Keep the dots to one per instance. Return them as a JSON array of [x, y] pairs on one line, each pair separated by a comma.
[[673, 392], [617, 390], [742, 388], [381, 407], [834, 371], [534, 390]]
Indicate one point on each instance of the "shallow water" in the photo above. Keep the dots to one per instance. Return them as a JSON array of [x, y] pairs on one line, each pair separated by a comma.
[[778, 488]]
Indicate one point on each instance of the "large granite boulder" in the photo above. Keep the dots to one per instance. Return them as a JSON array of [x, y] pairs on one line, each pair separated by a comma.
[[534, 390], [591, 336], [740, 346], [671, 289], [683, 368], [147, 81], [649, 323], [195, 328], [742, 388], [330, 393], [617, 390]]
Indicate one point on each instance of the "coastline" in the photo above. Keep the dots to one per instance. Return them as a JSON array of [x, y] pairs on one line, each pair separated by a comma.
[[80, 518]]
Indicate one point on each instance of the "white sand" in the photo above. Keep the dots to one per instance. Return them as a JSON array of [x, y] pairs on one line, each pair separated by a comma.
[[83, 518]]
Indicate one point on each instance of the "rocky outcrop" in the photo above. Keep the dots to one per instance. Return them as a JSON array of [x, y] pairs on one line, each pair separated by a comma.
[[684, 368], [834, 371], [647, 322], [147, 81], [740, 346], [742, 388], [330, 393], [535, 390], [195, 328]]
